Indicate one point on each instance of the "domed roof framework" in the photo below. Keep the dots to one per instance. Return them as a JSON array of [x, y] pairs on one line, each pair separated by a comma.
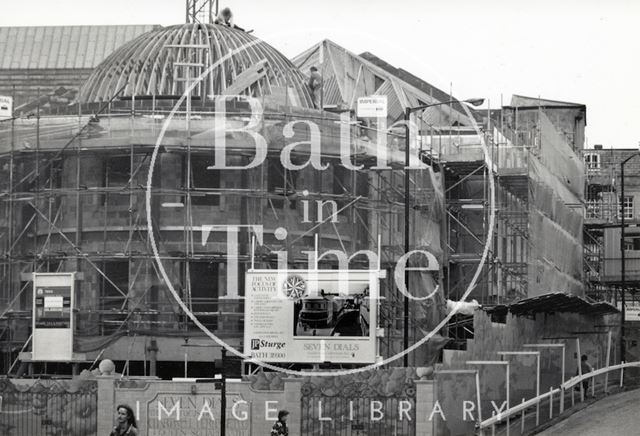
[[154, 64]]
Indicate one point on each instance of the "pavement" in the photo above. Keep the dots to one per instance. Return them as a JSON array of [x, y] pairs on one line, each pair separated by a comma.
[[617, 415]]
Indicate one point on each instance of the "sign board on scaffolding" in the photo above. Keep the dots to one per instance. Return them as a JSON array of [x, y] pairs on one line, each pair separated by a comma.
[[53, 316], [6, 107], [632, 311], [374, 106], [311, 316]]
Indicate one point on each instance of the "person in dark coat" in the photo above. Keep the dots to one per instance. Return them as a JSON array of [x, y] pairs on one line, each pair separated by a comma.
[[280, 427], [315, 87], [125, 422], [585, 368], [225, 18]]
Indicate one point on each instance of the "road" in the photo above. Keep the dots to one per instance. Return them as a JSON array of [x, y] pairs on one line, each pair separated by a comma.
[[613, 416]]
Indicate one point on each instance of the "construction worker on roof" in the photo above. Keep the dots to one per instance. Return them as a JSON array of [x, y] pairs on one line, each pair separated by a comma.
[[225, 18], [315, 86]]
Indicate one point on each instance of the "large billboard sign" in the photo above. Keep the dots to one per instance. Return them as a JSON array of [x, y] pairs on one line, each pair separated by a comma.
[[311, 316], [53, 316]]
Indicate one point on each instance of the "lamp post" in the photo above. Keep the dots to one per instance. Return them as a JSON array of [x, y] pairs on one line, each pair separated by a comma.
[[407, 116], [623, 280]]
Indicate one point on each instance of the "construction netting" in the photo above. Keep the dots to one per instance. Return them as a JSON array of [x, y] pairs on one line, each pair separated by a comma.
[[106, 184], [557, 155], [555, 218]]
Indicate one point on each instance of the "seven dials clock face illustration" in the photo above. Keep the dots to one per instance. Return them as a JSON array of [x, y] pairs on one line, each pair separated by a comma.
[[295, 287]]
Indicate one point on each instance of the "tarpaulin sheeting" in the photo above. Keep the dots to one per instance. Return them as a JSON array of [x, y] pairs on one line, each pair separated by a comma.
[[556, 154], [555, 234], [554, 302]]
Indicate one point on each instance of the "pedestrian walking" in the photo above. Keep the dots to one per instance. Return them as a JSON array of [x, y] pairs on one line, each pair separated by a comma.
[[125, 422], [586, 368], [280, 427]]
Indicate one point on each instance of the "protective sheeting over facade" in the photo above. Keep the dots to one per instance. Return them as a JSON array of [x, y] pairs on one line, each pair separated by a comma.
[[556, 248], [522, 117], [107, 195], [539, 193], [560, 159]]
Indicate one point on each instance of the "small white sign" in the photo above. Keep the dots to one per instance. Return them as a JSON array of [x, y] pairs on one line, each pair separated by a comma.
[[632, 311], [6, 107], [374, 106], [53, 321], [54, 302]]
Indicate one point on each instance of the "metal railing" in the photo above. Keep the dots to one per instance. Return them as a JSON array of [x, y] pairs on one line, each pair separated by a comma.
[[568, 385]]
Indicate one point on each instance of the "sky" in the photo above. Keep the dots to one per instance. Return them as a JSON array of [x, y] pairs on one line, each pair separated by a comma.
[[583, 51]]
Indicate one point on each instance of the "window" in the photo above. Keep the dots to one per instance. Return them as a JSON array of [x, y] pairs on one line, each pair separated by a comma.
[[115, 175], [281, 182], [592, 161], [203, 278], [111, 302], [593, 209], [627, 204], [118, 273], [202, 181], [378, 82], [341, 183]]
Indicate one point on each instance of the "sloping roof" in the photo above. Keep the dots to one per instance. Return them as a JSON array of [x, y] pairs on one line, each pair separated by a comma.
[[56, 47], [413, 80], [523, 101], [348, 76], [552, 303]]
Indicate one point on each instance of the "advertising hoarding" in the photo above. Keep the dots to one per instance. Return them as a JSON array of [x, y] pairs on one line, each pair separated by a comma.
[[311, 316], [53, 316]]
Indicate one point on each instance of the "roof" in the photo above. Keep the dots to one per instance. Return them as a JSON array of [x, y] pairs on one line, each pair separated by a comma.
[[220, 59], [554, 302], [58, 47], [523, 101], [413, 80], [348, 76]]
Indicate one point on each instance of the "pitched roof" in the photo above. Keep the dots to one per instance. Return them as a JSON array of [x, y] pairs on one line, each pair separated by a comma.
[[521, 100], [348, 76], [57, 47], [406, 76]]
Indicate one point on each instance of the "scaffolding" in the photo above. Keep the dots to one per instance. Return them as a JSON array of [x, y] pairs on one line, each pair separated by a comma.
[[74, 185], [75, 201], [201, 11]]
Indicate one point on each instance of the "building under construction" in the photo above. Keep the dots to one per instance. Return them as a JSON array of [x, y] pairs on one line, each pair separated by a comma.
[[76, 157], [609, 199]]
